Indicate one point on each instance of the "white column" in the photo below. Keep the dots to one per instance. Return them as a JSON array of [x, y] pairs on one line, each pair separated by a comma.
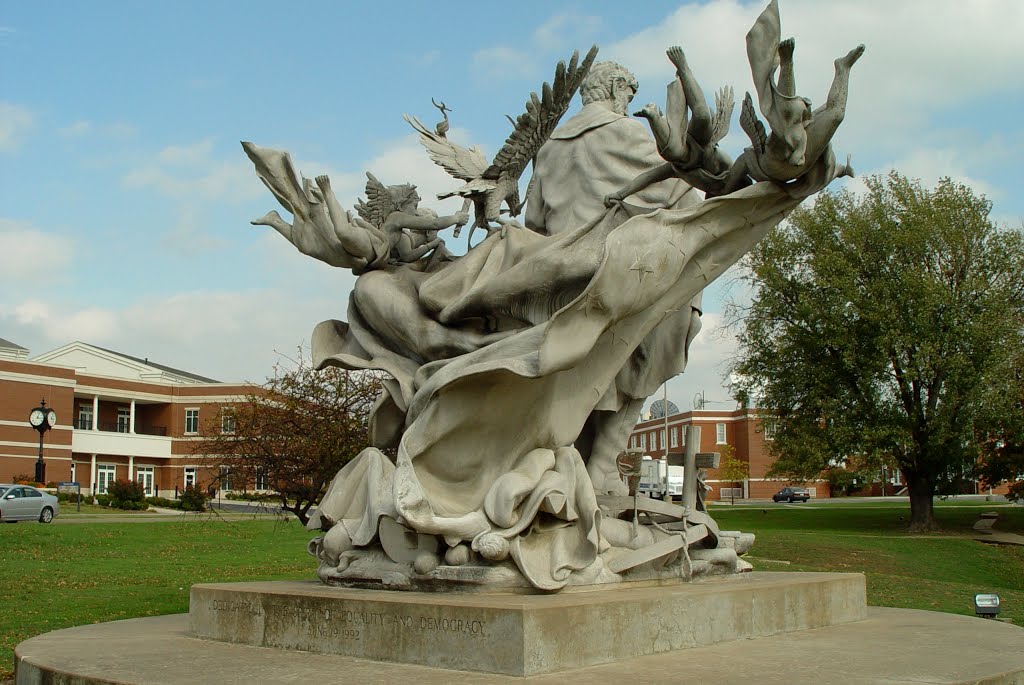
[[95, 425], [131, 466], [131, 427], [92, 476]]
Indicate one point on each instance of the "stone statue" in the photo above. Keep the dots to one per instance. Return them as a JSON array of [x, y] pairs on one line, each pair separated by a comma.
[[517, 371]]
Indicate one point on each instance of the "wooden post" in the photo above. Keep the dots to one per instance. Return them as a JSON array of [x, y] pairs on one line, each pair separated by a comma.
[[690, 467]]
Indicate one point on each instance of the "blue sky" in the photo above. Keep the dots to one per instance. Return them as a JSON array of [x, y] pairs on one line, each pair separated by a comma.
[[125, 198]]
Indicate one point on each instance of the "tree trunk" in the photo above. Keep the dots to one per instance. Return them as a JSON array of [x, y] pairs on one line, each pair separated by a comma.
[[922, 511]]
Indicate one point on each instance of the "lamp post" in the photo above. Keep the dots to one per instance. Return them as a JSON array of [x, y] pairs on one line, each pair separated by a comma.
[[42, 418]]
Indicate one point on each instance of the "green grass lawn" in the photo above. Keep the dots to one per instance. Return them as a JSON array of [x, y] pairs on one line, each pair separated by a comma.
[[938, 572], [58, 576]]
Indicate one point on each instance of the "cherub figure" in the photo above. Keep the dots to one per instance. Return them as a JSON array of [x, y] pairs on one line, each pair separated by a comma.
[[394, 210], [690, 142], [688, 135], [798, 137]]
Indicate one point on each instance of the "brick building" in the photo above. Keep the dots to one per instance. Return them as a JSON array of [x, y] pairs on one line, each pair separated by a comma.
[[118, 417], [742, 429]]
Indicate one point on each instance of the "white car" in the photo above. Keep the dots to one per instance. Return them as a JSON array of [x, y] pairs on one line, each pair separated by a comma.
[[26, 503]]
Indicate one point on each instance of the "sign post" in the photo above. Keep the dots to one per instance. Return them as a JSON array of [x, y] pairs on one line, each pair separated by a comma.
[[74, 487]]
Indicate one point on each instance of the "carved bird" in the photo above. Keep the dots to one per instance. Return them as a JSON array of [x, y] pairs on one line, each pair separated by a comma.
[[489, 185]]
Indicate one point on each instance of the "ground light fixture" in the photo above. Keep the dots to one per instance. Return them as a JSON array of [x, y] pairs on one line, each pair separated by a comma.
[[986, 605]]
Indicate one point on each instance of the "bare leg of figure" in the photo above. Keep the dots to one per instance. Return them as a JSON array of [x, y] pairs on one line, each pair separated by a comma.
[[611, 431], [355, 241], [827, 118], [787, 80], [700, 123]]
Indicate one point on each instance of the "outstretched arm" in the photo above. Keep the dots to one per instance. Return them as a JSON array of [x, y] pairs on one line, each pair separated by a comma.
[[659, 173], [417, 222]]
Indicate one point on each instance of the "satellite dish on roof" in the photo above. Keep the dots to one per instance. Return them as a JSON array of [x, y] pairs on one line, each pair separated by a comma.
[[658, 409]]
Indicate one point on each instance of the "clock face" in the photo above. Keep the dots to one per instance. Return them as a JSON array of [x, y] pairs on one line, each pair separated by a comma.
[[51, 418], [37, 417]]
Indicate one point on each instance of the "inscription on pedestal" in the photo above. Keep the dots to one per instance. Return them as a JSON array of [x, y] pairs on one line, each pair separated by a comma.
[[348, 624]]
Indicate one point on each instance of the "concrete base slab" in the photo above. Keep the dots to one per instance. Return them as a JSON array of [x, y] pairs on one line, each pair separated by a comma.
[[890, 646], [517, 634]]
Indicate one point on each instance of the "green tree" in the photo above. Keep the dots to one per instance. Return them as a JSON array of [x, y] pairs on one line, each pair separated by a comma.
[[1001, 430], [731, 467], [881, 326], [295, 432]]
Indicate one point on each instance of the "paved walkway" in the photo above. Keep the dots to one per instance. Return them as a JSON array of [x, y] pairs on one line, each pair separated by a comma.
[[891, 646]]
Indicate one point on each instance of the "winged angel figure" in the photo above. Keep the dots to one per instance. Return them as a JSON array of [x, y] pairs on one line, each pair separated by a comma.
[[489, 185]]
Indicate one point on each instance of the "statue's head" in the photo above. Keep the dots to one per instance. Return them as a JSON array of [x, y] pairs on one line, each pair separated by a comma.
[[404, 196], [611, 83]]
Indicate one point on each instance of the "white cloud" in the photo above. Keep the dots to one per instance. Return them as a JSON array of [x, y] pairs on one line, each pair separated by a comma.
[[28, 253], [77, 129], [922, 58], [193, 171], [190, 236], [16, 122], [225, 335], [502, 61], [553, 36], [83, 128], [187, 155], [566, 28]]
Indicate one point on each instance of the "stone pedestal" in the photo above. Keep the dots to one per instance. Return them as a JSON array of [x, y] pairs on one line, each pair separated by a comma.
[[517, 634]]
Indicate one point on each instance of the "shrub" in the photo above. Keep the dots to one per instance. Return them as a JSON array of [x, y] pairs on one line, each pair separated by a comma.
[[164, 502], [255, 496], [193, 499], [23, 479], [103, 500], [127, 494], [1016, 493], [71, 497]]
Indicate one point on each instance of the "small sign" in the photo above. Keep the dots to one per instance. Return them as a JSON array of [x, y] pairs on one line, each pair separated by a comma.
[[70, 486], [708, 460]]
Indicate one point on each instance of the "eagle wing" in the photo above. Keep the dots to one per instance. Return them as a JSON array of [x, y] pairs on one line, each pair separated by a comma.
[[535, 125], [462, 163]]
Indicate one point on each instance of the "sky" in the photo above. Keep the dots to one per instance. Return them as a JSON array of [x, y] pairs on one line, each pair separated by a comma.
[[125, 198]]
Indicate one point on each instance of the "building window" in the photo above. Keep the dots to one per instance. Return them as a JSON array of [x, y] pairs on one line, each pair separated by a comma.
[[191, 421], [664, 441], [643, 441], [674, 437], [144, 474], [105, 474], [190, 476], [720, 433], [225, 478], [261, 479], [124, 419], [84, 417], [769, 430], [227, 420]]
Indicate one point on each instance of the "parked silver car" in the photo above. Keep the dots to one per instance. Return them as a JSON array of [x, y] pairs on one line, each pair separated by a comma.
[[26, 503]]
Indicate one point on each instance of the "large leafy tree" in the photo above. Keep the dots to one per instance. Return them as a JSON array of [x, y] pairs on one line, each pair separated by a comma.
[[884, 325], [295, 432]]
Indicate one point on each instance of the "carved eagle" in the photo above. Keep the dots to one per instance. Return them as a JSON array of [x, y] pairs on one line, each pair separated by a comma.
[[488, 185]]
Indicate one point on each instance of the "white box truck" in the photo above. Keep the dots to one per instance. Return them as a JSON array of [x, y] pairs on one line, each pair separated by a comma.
[[652, 479]]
